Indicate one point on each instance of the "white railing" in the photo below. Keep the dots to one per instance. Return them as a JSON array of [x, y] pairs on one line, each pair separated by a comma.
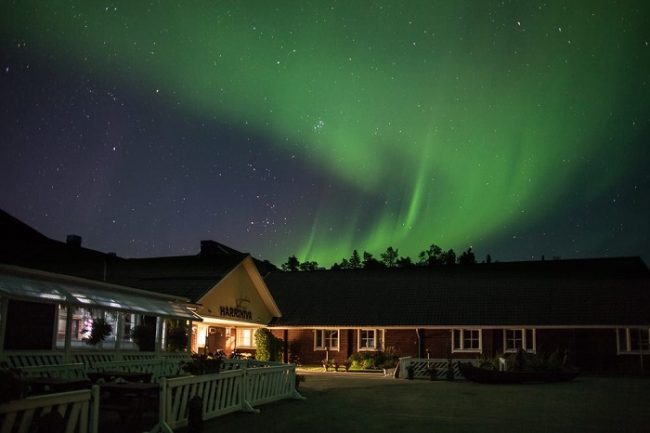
[[423, 366], [237, 389], [267, 384], [25, 358], [79, 410], [221, 393], [67, 371], [22, 358]]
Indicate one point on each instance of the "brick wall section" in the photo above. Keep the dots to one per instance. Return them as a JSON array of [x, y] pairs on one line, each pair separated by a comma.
[[403, 341], [593, 350]]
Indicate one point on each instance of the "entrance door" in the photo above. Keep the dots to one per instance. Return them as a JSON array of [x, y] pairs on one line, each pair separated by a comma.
[[216, 339]]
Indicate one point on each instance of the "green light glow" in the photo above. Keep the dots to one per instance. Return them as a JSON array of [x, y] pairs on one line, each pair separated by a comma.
[[464, 118]]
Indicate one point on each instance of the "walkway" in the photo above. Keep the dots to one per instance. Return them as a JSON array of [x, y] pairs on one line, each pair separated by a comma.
[[349, 402]]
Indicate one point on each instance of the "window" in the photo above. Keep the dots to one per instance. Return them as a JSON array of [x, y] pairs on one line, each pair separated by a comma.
[[466, 340], [633, 340], [245, 338], [370, 339], [326, 339], [515, 339]]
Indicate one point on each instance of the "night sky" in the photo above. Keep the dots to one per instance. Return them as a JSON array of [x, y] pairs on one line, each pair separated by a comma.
[[520, 128]]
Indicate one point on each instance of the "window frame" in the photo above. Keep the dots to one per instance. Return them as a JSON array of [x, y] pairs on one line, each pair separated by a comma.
[[325, 338], [462, 339], [525, 344], [377, 338], [238, 338], [627, 339]]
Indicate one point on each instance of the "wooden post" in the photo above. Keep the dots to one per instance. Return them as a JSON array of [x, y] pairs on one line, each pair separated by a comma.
[[67, 345], [3, 321], [285, 335]]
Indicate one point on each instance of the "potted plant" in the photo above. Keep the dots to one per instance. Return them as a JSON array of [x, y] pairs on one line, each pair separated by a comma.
[[99, 330], [432, 371], [410, 372], [144, 336], [299, 378]]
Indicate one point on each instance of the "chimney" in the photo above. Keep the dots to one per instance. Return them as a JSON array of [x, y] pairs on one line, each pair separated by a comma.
[[210, 248], [73, 241]]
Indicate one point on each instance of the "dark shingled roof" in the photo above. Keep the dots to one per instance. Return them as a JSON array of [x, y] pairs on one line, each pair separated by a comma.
[[187, 276], [585, 292], [23, 246]]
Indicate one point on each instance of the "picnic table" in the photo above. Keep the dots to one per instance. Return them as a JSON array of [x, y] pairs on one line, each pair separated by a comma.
[[50, 385], [129, 399], [113, 375]]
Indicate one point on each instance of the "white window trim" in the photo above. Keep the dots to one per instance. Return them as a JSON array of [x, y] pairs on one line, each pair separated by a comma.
[[524, 342], [628, 341], [324, 340], [238, 345], [370, 349], [462, 338]]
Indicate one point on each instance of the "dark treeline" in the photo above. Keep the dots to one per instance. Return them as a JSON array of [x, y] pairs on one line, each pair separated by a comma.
[[433, 256]]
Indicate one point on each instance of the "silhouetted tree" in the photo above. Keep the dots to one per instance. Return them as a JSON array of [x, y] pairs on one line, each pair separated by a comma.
[[431, 256], [345, 264], [292, 264], [404, 262], [449, 257], [467, 257], [389, 257], [309, 266], [488, 259], [335, 267], [355, 260], [369, 262]]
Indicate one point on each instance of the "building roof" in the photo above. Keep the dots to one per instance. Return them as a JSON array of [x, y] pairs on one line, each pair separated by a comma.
[[587, 292], [190, 276], [24, 246], [187, 276], [46, 287]]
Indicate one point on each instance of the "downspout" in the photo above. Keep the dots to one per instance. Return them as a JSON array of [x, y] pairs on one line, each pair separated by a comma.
[[285, 336], [420, 343]]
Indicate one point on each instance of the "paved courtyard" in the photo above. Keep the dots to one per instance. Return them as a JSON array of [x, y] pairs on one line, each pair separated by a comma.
[[349, 402]]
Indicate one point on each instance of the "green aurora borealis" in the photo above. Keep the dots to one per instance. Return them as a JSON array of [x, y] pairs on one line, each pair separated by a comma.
[[454, 122]]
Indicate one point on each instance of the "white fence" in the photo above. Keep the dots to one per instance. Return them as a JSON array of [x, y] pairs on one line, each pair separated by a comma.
[[225, 392], [79, 410], [67, 371], [25, 358], [423, 366], [267, 384]]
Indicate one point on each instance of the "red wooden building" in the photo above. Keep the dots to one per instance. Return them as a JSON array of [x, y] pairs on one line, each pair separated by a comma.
[[596, 309]]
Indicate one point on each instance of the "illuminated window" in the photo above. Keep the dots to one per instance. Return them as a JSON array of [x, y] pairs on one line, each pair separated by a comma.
[[466, 340], [633, 340], [515, 339], [326, 339], [370, 339], [245, 338]]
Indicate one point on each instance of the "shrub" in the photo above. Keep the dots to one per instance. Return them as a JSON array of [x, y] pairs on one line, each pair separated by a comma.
[[267, 346], [144, 336], [177, 338], [202, 364], [373, 360]]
